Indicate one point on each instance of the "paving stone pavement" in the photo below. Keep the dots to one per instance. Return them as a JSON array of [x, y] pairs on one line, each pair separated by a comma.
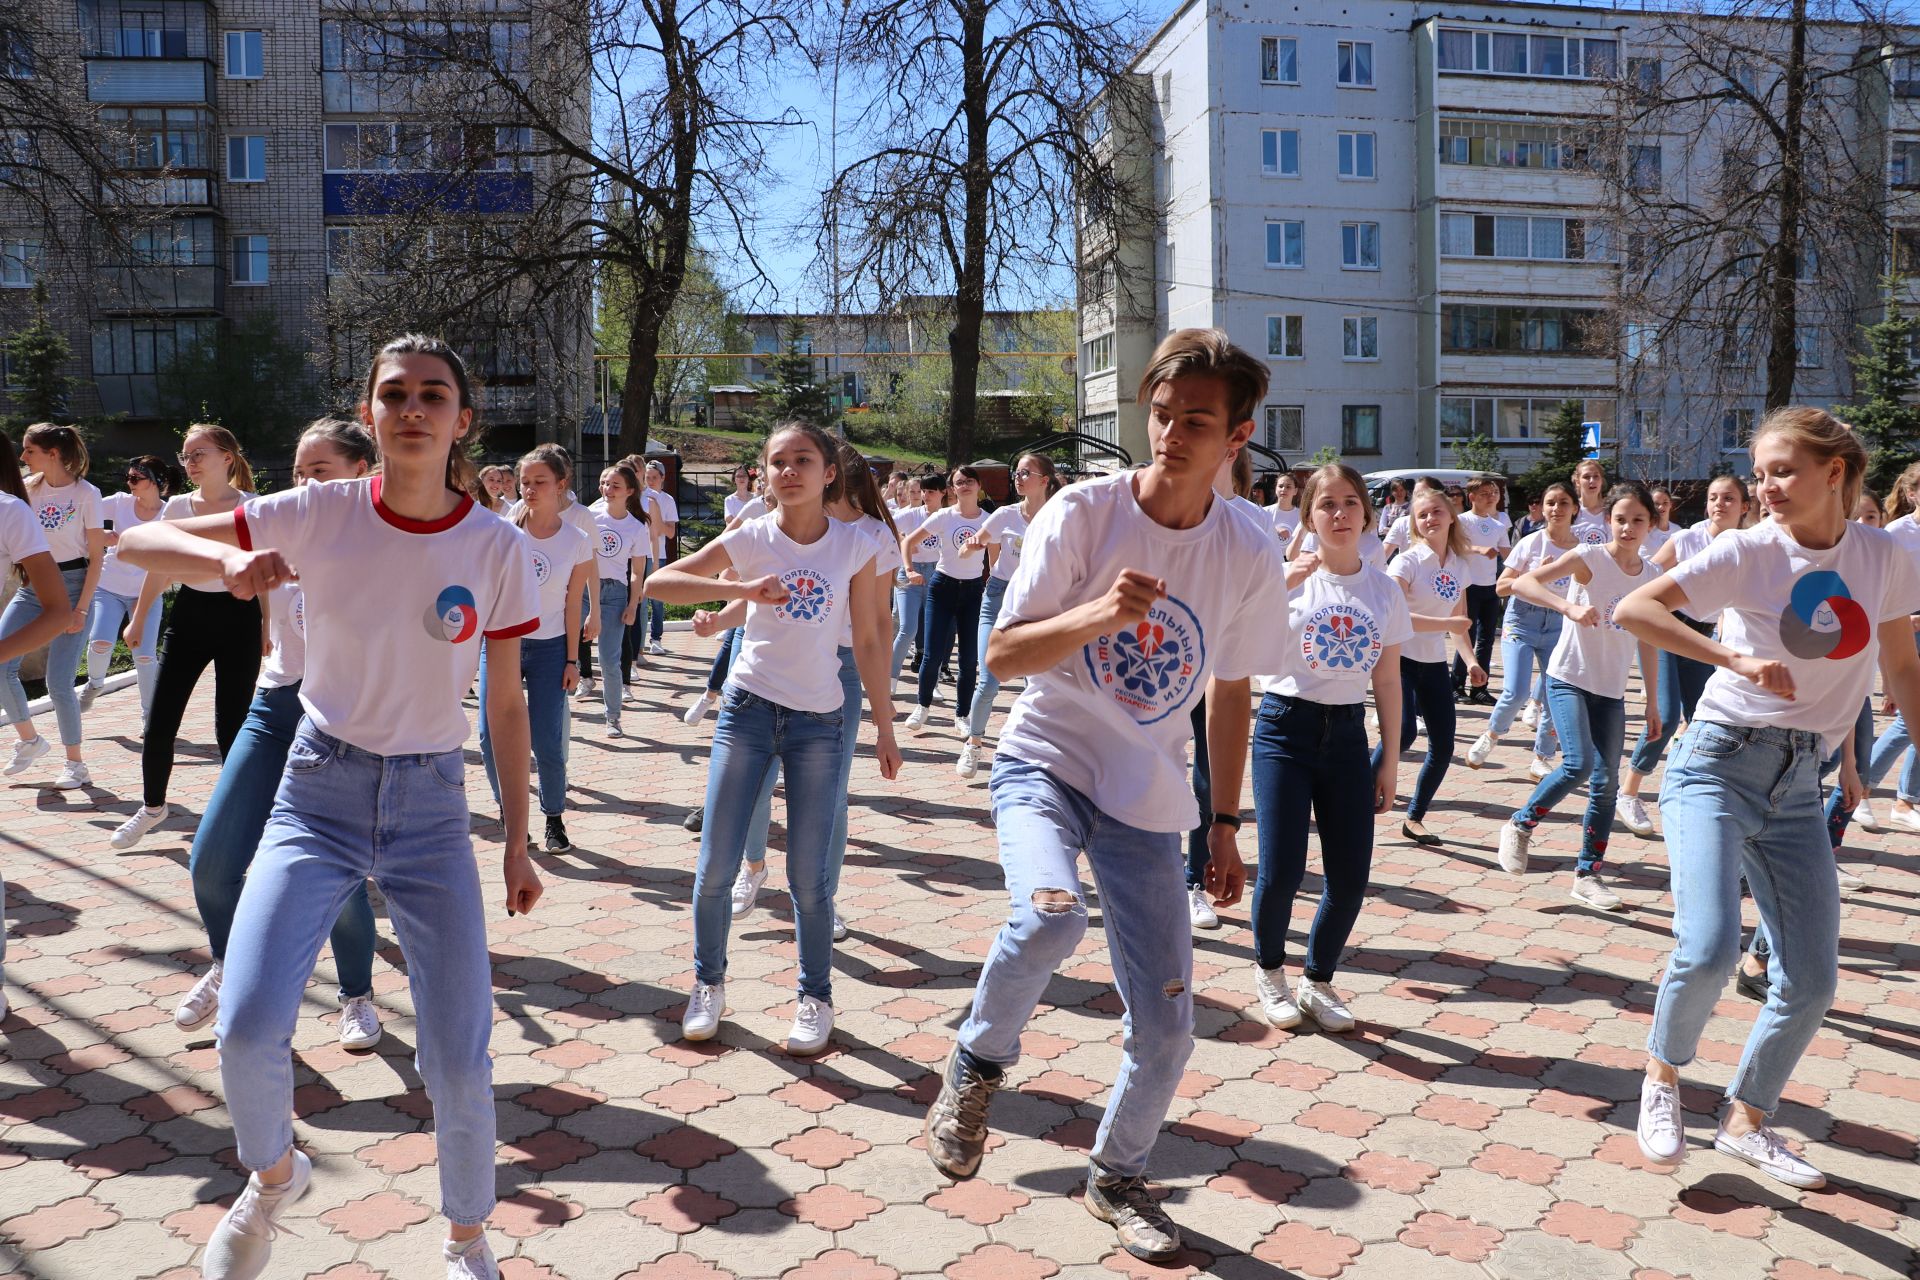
[[1476, 1124]]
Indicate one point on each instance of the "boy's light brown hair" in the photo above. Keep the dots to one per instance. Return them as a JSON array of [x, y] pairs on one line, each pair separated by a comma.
[[1206, 353]]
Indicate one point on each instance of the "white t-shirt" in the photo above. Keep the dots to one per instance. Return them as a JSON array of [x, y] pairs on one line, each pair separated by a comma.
[[1535, 550], [948, 530], [287, 629], [787, 652], [1597, 658], [1656, 539], [1688, 543], [1591, 527], [1007, 530], [1113, 719], [1284, 522], [388, 668], [618, 541], [1494, 530], [886, 561], [115, 576], [65, 514], [20, 534], [180, 507], [1399, 534], [665, 512], [752, 509], [1906, 532], [731, 507], [553, 561], [1817, 611], [1434, 589], [1337, 626], [926, 549]]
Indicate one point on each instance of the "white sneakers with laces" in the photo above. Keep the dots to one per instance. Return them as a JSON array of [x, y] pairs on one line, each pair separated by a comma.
[[25, 753], [202, 1002], [969, 762], [1482, 748], [1592, 891], [1540, 767], [1633, 816], [812, 1027], [1200, 910], [696, 712], [1319, 1001], [1662, 1138], [243, 1242], [359, 1023], [1514, 840], [839, 927], [704, 1007], [917, 719], [746, 889], [1276, 1001], [1767, 1151], [134, 829], [1849, 882], [73, 776], [657, 649], [470, 1260], [1530, 716], [587, 688]]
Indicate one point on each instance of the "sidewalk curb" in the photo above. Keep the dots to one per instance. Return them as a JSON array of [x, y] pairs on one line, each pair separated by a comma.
[[44, 706]]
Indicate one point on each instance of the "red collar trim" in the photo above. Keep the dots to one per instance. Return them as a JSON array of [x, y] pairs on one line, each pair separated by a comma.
[[406, 525]]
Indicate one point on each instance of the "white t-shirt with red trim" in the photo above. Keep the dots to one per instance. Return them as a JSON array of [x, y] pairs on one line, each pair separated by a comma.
[[396, 608]]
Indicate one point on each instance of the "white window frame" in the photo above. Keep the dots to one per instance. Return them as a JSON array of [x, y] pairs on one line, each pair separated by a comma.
[[1640, 342], [1352, 49], [1282, 264], [1350, 148], [1279, 76], [1096, 347], [1357, 335], [256, 72], [19, 262], [1272, 427], [263, 253], [1294, 326], [249, 177], [1379, 425], [1744, 433], [1279, 169], [1806, 347], [1358, 261]]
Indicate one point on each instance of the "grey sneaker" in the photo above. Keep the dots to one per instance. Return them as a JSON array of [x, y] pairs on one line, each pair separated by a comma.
[[1767, 1151], [243, 1242], [1144, 1228], [1591, 890], [471, 1261], [956, 1128], [1514, 840]]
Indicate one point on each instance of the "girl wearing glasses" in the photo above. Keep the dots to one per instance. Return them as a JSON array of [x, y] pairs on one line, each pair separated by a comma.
[[67, 508], [149, 485], [208, 625]]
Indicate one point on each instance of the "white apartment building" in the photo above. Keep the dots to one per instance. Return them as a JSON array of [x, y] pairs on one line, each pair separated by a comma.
[[1390, 202]]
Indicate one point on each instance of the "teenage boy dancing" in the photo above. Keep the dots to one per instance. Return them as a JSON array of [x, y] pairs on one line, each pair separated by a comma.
[[1133, 592]]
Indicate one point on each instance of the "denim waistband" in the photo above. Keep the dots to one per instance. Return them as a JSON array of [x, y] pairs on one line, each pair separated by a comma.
[[1529, 610], [340, 748], [1768, 735], [1334, 712]]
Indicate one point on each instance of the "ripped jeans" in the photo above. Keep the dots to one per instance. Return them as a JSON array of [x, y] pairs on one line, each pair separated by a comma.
[[110, 613], [1043, 826]]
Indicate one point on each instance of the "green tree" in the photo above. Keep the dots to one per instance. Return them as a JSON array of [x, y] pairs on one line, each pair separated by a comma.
[[36, 356], [794, 391], [1325, 455], [698, 323], [1564, 451], [1885, 378], [1477, 454], [248, 378]]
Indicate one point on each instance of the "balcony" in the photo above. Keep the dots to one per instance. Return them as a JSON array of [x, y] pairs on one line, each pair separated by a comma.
[[153, 51], [380, 194], [147, 290], [182, 194]]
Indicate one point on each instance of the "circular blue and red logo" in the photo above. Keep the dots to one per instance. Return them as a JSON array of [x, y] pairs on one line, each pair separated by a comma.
[[454, 617], [1151, 668], [1592, 534], [1823, 620], [611, 543], [54, 514], [1340, 638], [542, 567], [1446, 586], [809, 597]]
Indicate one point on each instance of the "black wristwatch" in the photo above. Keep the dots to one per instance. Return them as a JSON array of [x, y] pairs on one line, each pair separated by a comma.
[[572, 662], [1227, 819]]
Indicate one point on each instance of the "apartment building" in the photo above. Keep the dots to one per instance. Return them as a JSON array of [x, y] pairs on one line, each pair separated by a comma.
[[1395, 204], [255, 140]]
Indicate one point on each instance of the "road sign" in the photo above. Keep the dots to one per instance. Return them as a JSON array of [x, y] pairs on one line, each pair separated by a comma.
[[1590, 438]]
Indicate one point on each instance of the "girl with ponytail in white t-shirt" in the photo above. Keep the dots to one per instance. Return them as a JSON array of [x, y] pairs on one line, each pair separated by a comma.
[[910, 598], [1810, 604], [622, 540], [375, 781], [800, 572], [1001, 537], [1530, 632], [149, 484], [1587, 686]]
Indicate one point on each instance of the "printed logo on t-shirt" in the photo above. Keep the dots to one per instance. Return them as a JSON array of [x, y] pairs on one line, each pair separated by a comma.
[[1150, 668], [1606, 614], [930, 543], [54, 514], [1340, 637], [542, 567], [1592, 535], [1823, 620], [300, 612], [1446, 586], [809, 597], [611, 543], [454, 616], [961, 532]]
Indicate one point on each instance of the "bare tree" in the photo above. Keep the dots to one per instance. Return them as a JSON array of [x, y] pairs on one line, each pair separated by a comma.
[[975, 150]]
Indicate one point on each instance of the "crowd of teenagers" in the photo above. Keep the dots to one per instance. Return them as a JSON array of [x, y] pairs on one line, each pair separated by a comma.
[[1140, 611]]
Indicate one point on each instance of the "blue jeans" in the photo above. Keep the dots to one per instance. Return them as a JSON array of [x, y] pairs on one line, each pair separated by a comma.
[[989, 687], [909, 613], [342, 815], [750, 735], [105, 621], [1526, 641], [953, 613], [1043, 827], [1593, 730], [1682, 681], [655, 621], [613, 607], [1425, 687], [723, 661], [229, 836], [1311, 756], [63, 660], [543, 663], [1746, 801], [852, 698]]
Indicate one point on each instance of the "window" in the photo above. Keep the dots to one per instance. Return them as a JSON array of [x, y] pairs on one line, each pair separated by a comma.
[[1359, 428], [1643, 433], [146, 33], [247, 158], [181, 242], [1286, 244], [1280, 153], [1806, 346], [145, 346], [1736, 428], [1484, 235], [1286, 337], [1904, 167], [16, 53], [19, 263], [159, 137], [1645, 74], [1906, 250], [1279, 60], [1099, 354], [1356, 155], [1286, 427], [1360, 246], [1643, 168], [1097, 279], [1641, 342], [1359, 338], [1353, 64], [1513, 418], [1513, 145], [1480, 329], [16, 149], [244, 56], [249, 260], [1499, 53]]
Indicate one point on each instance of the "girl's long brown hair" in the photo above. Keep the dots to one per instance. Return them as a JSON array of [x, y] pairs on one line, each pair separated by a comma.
[[462, 475], [10, 480], [539, 457], [860, 489], [635, 507], [63, 443]]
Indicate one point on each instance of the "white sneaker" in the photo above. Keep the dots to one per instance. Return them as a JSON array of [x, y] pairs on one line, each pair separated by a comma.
[[25, 753], [1540, 767], [1663, 1139], [1514, 840], [359, 1023], [1591, 890], [202, 1002], [586, 688], [657, 649], [1864, 818], [471, 1260], [614, 730], [1849, 882], [917, 719], [130, 832], [88, 692], [812, 1025], [1319, 1001], [969, 762], [1200, 911], [1530, 716], [839, 927], [704, 1007], [73, 776], [1766, 1151], [1904, 816], [1633, 816], [1482, 748], [1276, 1002], [701, 705], [746, 888], [243, 1241]]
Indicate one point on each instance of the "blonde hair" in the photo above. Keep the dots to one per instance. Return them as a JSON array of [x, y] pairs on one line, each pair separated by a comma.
[[239, 473], [1242, 473], [1457, 543], [1904, 497], [1318, 479], [1826, 438]]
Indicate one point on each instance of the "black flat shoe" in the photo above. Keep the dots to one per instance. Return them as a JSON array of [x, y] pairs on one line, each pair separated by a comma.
[[1422, 836], [695, 820], [1754, 986]]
